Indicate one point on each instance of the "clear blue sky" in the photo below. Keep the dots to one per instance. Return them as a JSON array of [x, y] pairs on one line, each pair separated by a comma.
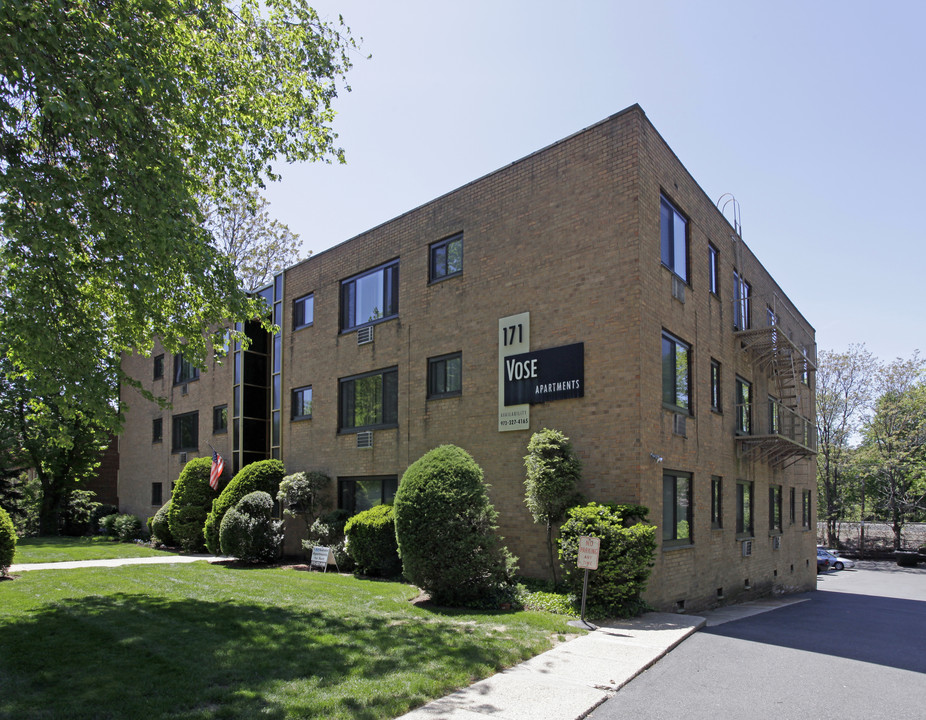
[[810, 113]]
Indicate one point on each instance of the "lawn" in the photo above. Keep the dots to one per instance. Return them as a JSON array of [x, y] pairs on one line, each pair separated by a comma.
[[60, 549], [216, 641]]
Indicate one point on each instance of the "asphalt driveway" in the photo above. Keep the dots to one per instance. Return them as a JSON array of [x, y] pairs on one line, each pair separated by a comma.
[[856, 648]]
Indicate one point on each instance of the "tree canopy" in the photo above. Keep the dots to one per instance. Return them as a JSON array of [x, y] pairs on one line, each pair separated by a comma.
[[119, 121]]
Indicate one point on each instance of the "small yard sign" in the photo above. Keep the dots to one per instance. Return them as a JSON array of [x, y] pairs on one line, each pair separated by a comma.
[[588, 552], [322, 557]]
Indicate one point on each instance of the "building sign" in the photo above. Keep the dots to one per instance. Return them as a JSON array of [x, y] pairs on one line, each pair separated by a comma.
[[545, 375], [514, 338]]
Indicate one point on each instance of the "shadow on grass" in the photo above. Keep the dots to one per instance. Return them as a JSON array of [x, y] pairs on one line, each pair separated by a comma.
[[134, 656]]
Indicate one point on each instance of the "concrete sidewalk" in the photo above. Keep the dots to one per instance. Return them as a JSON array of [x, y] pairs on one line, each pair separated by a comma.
[[115, 562], [572, 679]]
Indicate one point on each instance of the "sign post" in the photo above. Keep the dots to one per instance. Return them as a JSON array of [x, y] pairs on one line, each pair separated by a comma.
[[588, 559], [322, 557]]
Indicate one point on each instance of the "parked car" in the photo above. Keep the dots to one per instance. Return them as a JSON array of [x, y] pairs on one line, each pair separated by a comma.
[[835, 560], [823, 560]]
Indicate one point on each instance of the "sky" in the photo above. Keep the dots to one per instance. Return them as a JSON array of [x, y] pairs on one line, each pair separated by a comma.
[[810, 113]]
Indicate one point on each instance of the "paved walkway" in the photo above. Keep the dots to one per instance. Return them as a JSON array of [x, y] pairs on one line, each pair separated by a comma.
[[565, 683], [115, 562]]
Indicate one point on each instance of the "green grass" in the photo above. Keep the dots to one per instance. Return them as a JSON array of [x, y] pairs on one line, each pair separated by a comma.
[[200, 641], [60, 549]]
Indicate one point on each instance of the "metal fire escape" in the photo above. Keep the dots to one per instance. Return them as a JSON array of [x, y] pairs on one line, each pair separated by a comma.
[[779, 431]]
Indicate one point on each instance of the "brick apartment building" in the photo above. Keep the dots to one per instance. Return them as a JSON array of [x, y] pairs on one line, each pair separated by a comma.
[[591, 287]]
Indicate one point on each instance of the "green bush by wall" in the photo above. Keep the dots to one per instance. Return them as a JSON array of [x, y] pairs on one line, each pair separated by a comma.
[[7, 540], [446, 531], [190, 503], [624, 561], [263, 475], [160, 527], [249, 532], [371, 542]]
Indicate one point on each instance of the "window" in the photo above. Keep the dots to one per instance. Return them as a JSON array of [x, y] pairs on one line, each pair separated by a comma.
[[743, 508], [157, 493], [303, 311], [158, 366], [676, 508], [184, 371], [186, 432], [674, 230], [742, 293], [805, 510], [792, 510], [157, 430], [356, 494], [805, 368], [447, 258], [771, 317], [302, 403], [369, 401], [370, 297], [774, 508], [220, 419], [445, 375], [716, 502], [774, 416], [743, 407], [716, 385], [676, 369], [713, 269]]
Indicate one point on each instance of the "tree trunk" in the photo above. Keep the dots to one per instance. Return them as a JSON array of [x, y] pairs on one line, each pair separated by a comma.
[[550, 551]]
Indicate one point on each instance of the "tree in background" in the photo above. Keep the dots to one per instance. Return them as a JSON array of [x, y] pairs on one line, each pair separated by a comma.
[[258, 246], [553, 472], [119, 122], [844, 384], [893, 451]]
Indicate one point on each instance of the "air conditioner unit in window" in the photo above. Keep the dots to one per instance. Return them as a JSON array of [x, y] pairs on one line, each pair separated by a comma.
[[365, 335], [183, 458], [678, 288], [776, 542], [365, 439], [679, 424], [747, 548]]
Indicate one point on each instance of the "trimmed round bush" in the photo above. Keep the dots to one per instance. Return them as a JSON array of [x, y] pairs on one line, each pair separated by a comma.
[[371, 542], [263, 475], [127, 527], [108, 524], [445, 527], [160, 527], [249, 532], [7, 541], [624, 559], [190, 503]]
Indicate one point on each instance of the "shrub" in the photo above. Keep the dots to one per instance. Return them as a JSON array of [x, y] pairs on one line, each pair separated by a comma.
[[249, 531], [190, 504], [263, 475], [99, 513], [7, 541], [160, 527], [328, 531], [79, 512], [371, 541], [108, 524], [127, 527], [553, 471], [445, 527], [624, 559]]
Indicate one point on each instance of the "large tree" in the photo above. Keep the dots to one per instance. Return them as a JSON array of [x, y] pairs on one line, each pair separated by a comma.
[[119, 122], [844, 390], [893, 453], [257, 245]]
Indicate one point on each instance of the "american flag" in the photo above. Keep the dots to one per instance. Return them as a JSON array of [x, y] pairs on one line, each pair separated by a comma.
[[218, 467]]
